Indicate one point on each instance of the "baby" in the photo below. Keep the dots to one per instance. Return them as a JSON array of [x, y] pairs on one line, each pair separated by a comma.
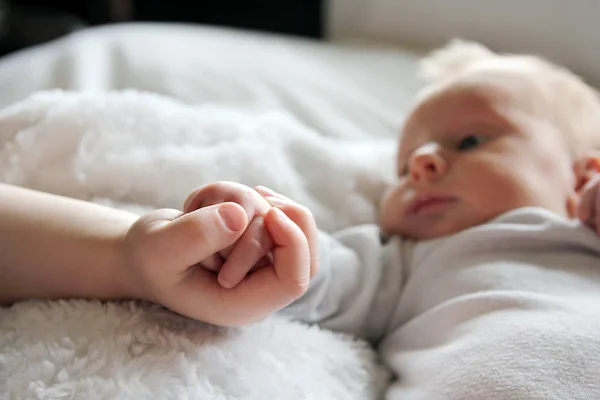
[[489, 284]]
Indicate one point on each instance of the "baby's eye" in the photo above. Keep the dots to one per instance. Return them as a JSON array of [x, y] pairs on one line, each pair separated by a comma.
[[471, 141]]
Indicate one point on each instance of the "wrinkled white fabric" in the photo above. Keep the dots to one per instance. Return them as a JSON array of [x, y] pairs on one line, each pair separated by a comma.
[[505, 310], [138, 151]]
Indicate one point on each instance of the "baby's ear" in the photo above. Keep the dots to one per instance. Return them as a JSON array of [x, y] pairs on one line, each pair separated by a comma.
[[587, 167]]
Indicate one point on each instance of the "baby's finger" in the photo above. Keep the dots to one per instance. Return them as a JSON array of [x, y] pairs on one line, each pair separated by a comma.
[[270, 289], [254, 244], [302, 217], [211, 194], [225, 252], [213, 263], [265, 261], [220, 192], [194, 200], [291, 255]]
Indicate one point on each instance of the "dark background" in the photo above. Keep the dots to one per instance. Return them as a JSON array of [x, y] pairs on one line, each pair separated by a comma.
[[24, 23]]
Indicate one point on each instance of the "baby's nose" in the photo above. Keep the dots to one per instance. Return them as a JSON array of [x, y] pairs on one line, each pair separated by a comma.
[[426, 165]]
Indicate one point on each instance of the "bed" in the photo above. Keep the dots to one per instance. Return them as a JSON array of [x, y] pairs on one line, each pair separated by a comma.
[[313, 121], [94, 114]]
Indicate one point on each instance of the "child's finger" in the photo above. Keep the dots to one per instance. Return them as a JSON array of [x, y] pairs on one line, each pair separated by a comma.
[[195, 236], [302, 217], [269, 289], [254, 244], [265, 191], [291, 255]]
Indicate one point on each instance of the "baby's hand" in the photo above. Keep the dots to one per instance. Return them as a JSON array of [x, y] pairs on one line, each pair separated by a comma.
[[162, 250], [302, 216], [589, 205], [252, 250]]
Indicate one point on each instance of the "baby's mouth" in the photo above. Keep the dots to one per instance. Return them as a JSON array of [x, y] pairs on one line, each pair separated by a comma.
[[430, 203]]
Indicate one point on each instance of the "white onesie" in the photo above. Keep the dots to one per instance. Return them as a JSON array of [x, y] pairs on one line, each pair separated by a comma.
[[505, 310]]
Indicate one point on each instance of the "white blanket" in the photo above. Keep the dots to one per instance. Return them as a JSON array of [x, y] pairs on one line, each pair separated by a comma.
[[139, 151]]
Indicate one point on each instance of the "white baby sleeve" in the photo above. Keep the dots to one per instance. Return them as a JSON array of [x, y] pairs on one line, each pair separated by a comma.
[[351, 291]]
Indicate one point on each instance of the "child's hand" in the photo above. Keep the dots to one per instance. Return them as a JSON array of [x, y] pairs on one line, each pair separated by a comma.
[[301, 216], [163, 249], [589, 205], [252, 250]]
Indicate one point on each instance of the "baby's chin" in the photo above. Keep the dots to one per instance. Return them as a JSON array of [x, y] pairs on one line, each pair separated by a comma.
[[428, 233], [434, 228], [413, 231]]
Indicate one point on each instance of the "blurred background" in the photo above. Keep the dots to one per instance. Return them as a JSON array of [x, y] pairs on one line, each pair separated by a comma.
[[24, 23], [172, 46]]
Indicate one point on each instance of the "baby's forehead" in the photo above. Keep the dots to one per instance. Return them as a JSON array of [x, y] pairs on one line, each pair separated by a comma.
[[487, 85], [486, 92], [453, 103]]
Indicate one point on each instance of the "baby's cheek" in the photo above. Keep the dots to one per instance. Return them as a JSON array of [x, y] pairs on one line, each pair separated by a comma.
[[391, 209]]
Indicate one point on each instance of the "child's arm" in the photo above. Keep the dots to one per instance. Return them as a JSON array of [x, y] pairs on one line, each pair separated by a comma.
[[55, 247]]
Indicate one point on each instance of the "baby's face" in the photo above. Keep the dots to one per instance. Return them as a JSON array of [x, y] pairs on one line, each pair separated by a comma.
[[473, 150]]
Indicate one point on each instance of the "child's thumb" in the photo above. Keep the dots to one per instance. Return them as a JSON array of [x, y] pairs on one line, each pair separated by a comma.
[[197, 235]]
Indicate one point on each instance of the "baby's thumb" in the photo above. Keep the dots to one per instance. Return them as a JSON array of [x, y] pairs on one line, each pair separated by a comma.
[[199, 234]]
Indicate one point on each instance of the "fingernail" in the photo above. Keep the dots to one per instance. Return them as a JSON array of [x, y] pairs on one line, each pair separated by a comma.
[[231, 217], [266, 190], [281, 215], [276, 201], [224, 282]]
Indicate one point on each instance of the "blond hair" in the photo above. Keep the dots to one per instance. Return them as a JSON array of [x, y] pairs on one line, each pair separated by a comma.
[[575, 105]]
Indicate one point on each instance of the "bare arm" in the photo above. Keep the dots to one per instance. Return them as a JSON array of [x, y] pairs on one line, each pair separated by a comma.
[[56, 247]]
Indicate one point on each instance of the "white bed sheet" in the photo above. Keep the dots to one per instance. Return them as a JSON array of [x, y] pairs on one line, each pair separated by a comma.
[[333, 103], [341, 90], [343, 93]]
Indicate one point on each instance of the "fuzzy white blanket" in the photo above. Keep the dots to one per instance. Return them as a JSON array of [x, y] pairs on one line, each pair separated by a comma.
[[139, 151]]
